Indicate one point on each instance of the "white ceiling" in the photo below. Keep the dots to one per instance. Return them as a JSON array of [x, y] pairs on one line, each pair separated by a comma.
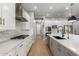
[[58, 10]]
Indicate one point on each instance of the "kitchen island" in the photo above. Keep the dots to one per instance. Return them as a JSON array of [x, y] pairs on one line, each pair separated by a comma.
[[64, 47]]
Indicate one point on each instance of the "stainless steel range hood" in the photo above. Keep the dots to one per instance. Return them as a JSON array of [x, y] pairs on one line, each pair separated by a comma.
[[19, 11]]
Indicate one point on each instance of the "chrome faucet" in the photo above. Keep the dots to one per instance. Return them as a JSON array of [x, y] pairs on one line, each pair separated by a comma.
[[67, 31], [62, 30]]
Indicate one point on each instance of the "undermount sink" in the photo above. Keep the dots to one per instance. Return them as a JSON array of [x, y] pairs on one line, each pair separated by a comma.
[[20, 37], [59, 38]]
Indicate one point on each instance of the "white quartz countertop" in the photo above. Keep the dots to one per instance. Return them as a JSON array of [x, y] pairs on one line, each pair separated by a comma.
[[6, 44], [5, 47], [72, 43]]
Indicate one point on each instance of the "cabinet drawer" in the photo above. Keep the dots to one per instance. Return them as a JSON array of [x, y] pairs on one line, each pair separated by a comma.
[[68, 52], [11, 53], [20, 49]]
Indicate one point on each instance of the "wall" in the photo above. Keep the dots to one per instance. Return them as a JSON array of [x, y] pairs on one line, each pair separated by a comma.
[[26, 25]]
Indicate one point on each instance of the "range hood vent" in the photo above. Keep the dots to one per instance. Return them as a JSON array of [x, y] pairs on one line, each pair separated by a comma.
[[19, 11]]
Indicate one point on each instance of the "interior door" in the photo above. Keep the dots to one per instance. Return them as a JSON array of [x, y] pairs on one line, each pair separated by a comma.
[[39, 29]]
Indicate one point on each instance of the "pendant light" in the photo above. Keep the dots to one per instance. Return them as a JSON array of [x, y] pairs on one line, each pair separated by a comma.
[[72, 17]]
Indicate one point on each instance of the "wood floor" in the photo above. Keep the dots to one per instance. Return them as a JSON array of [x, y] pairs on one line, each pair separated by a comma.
[[39, 48]]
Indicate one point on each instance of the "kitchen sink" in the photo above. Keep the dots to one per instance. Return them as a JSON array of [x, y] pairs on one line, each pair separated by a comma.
[[20, 37], [58, 37]]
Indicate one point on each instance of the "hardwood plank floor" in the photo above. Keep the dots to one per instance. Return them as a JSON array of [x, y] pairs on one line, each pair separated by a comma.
[[39, 48]]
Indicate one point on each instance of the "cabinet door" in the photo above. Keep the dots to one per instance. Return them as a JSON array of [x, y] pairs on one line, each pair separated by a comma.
[[1, 20], [0, 12], [60, 49], [69, 52], [20, 50], [53, 46], [8, 15], [11, 53], [28, 45], [0, 9], [48, 40]]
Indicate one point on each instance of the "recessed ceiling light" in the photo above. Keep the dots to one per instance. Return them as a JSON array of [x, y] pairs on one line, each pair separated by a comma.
[[35, 7], [50, 7], [67, 8]]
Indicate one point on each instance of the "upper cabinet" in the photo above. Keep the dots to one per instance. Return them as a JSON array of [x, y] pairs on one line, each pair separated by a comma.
[[1, 18], [7, 16], [0, 10]]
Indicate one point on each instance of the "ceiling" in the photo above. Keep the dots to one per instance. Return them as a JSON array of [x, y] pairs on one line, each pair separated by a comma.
[[58, 9]]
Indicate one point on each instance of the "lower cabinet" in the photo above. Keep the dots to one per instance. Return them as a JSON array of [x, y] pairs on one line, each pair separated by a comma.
[[58, 49], [69, 53], [22, 49], [12, 53]]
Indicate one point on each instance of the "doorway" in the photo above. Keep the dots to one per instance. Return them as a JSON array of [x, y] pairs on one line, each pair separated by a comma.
[[39, 29]]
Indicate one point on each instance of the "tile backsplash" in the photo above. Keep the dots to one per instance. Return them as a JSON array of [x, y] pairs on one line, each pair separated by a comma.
[[7, 34]]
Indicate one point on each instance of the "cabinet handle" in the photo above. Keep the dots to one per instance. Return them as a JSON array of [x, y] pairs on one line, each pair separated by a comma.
[[21, 45], [3, 21]]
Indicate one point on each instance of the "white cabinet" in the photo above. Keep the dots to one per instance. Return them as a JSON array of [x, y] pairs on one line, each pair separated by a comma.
[[0, 9], [1, 18], [67, 52], [12, 52], [28, 44], [51, 45], [58, 49], [7, 16], [23, 48], [20, 49]]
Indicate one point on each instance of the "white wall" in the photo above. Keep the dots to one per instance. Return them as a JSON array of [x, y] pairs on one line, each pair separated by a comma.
[[8, 13]]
